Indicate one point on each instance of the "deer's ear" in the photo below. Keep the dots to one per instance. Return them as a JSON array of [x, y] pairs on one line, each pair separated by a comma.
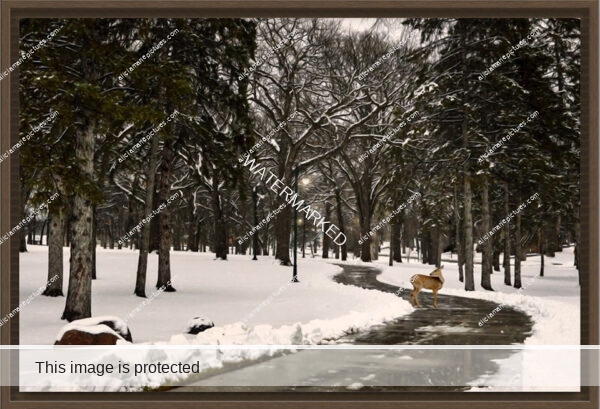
[[442, 267]]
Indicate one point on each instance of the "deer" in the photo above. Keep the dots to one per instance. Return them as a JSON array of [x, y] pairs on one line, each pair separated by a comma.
[[434, 282]]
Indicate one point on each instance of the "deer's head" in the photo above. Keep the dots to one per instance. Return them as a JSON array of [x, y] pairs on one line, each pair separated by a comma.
[[438, 273]]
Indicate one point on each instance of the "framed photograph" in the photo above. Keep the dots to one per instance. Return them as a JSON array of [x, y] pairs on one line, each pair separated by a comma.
[[332, 204]]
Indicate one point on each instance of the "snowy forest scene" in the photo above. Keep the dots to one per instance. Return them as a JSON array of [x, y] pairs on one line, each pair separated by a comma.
[[298, 204]]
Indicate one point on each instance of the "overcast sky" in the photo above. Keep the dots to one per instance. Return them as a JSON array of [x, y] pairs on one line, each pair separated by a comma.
[[392, 26]]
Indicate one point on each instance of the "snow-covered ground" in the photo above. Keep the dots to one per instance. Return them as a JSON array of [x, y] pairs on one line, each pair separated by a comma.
[[223, 291], [553, 302], [309, 312]]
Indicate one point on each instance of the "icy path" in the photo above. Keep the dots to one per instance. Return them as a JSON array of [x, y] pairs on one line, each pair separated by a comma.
[[454, 323]]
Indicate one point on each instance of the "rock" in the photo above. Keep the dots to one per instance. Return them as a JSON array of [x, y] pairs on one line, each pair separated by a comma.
[[197, 325], [84, 337], [94, 331]]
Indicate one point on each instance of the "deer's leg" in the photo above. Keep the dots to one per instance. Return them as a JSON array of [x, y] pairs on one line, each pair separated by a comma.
[[414, 297], [417, 297], [435, 298]]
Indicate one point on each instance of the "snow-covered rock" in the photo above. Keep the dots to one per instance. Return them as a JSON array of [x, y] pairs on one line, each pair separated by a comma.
[[88, 335], [97, 325], [196, 325]]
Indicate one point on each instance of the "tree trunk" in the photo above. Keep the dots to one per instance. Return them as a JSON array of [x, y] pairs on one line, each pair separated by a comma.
[[55, 251], [32, 235], [93, 241], [460, 252], [119, 228], [177, 239], [555, 236], [365, 228], [192, 242], [392, 246], [375, 244], [541, 249], [552, 238], [438, 258], [434, 254], [576, 255], [200, 238], [558, 247], [204, 241], [486, 251], [459, 244], [424, 245], [325, 253], [340, 219], [111, 236], [79, 296], [144, 241], [396, 233], [44, 230], [69, 228], [220, 233], [326, 238], [104, 236], [468, 227], [418, 239], [282, 234], [31, 227], [431, 256], [518, 247], [468, 194], [506, 232], [23, 242], [496, 260], [552, 233], [164, 192], [155, 226], [265, 242]]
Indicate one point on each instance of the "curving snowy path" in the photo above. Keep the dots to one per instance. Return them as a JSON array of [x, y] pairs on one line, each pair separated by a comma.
[[454, 323]]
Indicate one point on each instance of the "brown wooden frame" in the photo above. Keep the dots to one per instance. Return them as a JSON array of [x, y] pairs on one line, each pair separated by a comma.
[[587, 11]]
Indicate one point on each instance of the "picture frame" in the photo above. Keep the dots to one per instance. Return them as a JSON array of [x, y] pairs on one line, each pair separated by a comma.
[[14, 10]]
